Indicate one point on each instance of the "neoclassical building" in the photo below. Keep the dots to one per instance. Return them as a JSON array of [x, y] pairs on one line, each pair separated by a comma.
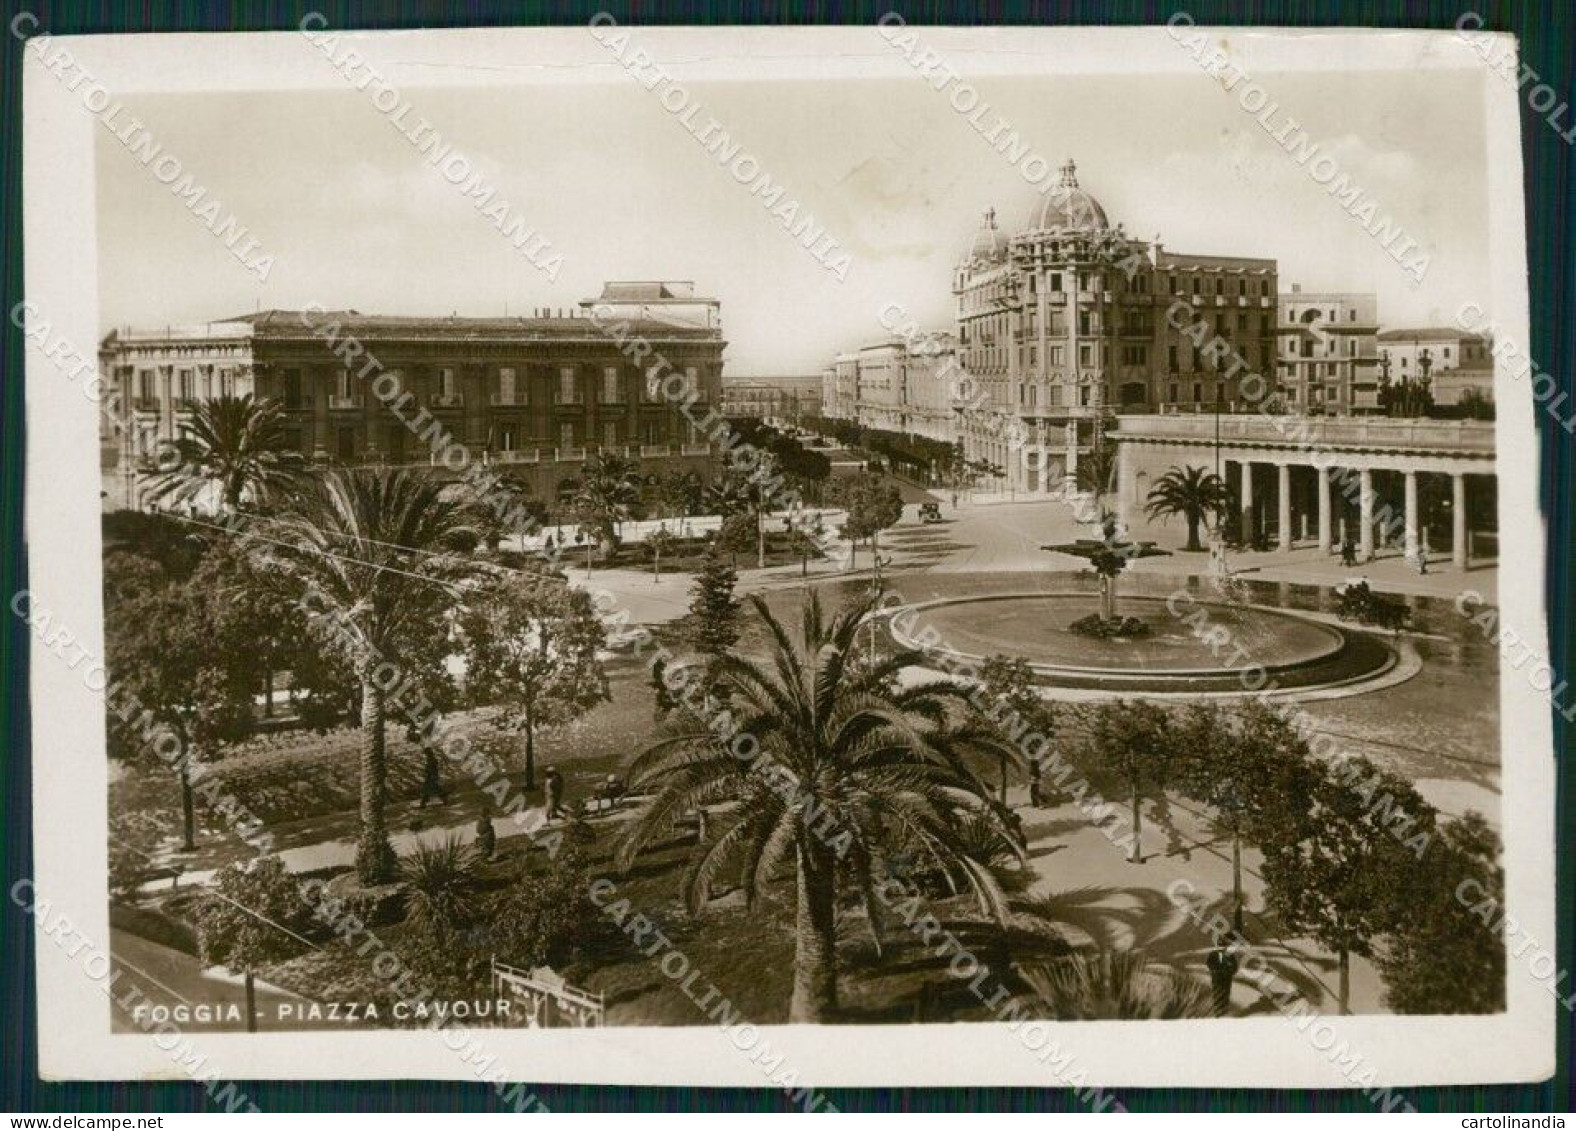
[[538, 393], [1390, 486]]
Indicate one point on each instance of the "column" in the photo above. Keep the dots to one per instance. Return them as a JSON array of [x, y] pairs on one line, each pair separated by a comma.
[[1247, 531], [1458, 520], [1322, 486], [1410, 528], [1283, 515], [319, 379], [1124, 485], [1365, 516], [166, 393]]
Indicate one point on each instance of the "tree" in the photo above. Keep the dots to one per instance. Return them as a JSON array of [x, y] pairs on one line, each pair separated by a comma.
[[1134, 739], [1250, 767], [542, 918], [682, 493], [171, 544], [440, 889], [660, 541], [255, 915], [503, 509], [1475, 404], [747, 493], [736, 535], [235, 447], [713, 629], [805, 536], [1118, 985], [268, 628], [1338, 876], [531, 647], [1445, 954], [846, 765], [1191, 492], [370, 554], [1014, 705], [872, 505], [608, 496], [168, 653]]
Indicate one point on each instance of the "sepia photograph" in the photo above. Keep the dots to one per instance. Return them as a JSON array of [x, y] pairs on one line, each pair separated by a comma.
[[869, 555]]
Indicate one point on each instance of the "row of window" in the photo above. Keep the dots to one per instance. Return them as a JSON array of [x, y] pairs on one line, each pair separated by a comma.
[[188, 383], [509, 389], [397, 442], [1094, 282]]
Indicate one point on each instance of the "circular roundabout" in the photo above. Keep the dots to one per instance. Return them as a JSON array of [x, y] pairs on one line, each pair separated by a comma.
[[1186, 646]]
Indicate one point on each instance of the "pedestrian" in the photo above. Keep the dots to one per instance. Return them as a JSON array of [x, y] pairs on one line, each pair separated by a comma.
[[1422, 560], [1348, 552], [1035, 798], [486, 835], [1222, 963], [431, 778], [553, 787]]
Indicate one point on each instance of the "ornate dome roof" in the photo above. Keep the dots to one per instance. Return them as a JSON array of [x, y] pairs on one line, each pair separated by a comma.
[[1068, 207], [988, 242]]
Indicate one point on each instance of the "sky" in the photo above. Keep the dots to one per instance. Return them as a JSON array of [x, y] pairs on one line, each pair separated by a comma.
[[356, 217]]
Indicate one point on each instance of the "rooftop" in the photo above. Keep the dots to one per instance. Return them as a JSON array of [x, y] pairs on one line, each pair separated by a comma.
[[277, 324], [1429, 334]]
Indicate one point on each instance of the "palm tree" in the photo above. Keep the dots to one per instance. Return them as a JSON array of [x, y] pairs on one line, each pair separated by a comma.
[[1191, 492], [1117, 985], [368, 553], [440, 887], [849, 768], [742, 492], [608, 496], [234, 446]]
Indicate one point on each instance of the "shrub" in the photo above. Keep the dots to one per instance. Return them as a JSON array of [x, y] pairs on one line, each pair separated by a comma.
[[440, 888], [544, 917]]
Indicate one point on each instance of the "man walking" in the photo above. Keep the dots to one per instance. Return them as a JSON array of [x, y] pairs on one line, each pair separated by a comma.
[[431, 779], [553, 787]]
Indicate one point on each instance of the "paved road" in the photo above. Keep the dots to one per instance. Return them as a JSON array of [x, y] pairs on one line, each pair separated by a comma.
[[169, 978]]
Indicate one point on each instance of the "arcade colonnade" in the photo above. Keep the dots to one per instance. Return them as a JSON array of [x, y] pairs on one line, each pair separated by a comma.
[[1415, 485]]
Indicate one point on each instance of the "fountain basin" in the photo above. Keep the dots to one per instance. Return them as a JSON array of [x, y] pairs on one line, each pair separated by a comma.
[[1191, 647]]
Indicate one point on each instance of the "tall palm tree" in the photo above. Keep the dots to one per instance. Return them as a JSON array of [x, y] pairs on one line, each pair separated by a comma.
[[850, 768], [1191, 492], [608, 496], [370, 554], [236, 447]]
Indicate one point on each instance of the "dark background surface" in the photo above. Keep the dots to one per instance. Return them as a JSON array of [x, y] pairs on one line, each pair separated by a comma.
[[1548, 36]]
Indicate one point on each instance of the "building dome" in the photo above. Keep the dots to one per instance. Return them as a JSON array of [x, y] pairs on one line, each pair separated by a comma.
[[988, 243], [1068, 207]]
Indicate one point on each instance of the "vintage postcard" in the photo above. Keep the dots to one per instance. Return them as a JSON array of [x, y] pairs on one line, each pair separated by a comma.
[[787, 558]]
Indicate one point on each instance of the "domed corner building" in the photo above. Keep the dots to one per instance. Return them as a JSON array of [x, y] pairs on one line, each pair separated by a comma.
[[1062, 326]]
